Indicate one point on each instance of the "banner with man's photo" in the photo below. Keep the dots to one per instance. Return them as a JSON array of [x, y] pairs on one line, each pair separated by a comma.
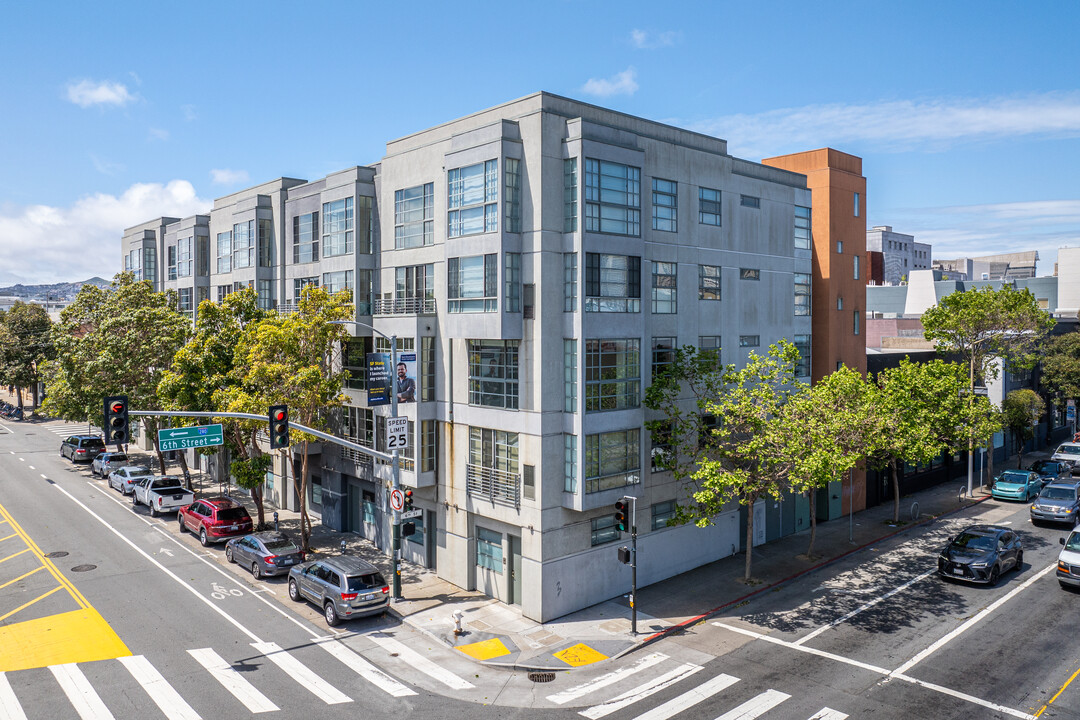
[[385, 378]]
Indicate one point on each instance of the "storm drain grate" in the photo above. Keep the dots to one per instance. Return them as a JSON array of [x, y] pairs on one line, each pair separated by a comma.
[[83, 568], [541, 677], [58, 553]]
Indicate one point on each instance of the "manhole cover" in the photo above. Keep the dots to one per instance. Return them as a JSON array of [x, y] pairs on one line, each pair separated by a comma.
[[58, 553], [541, 677], [83, 568]]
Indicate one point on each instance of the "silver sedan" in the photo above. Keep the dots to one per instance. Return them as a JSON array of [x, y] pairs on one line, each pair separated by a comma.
[[126, 478], [265, 554]]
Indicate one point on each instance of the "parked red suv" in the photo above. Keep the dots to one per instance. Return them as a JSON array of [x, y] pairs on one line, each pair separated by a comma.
[[215, 519]]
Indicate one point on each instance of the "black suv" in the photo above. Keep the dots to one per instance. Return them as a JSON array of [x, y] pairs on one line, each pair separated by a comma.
[[82, 448]]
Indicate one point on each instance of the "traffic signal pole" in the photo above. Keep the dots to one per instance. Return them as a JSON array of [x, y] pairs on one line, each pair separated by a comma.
[[633, 566]]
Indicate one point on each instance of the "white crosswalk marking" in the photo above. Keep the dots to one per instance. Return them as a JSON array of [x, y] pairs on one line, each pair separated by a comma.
[[756, 707], [827, 713], [78, 690], [608, 679], [420, 662], [302, 674], [158, 688], [690, 698], [231, 680], [641, 692], [365, 669], [9, 704]]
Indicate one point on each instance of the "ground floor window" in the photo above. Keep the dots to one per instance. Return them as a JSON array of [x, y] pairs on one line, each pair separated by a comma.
[[489, 549]]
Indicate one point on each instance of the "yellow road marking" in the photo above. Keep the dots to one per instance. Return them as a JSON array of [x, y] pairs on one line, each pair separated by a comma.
[[44, 560], [1051, 701], [9, 582], [485, 649], [28, 604], [73, 637], [8, 536], [580, 654], [15, 555]]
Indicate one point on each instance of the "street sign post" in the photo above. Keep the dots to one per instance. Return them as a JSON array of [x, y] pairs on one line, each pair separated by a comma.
[[411, 514], [190, 437], [397, 499]]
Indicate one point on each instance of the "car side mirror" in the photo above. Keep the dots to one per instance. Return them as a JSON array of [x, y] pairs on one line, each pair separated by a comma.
[[1061, 540]]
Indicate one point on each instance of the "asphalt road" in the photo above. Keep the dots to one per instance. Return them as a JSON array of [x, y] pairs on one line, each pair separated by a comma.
[[136, 620]]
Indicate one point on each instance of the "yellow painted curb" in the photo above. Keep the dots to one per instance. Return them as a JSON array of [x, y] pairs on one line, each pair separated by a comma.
[[71, 637], [580, 654], [485, 649]]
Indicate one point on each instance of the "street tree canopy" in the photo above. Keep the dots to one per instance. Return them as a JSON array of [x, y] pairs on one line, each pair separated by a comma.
[[1061, 366], [1021, 410], [25, 345]]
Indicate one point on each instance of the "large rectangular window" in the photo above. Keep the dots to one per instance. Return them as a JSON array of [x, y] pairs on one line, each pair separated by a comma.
[[512, 282], [662, 512], [665, 205], [570, 198], [265, 294], [663, 354], [266, 243], [184, 256], [414, 288], [612, 374], [414, 216], [708, 206], [569, 282], [494, 449], [300, 283], [612, 198], [224, 252], [243, 244], [662, 446], [708, 282], [802, 294], [170, 262], [184, 295], [570, 463], [337, 227], [664, 288], [473, 284], [337, 281], [802, 228], [493, 373], [489, 549], [306, 238], [604, 530], [802, 344], [570, 374], [512, 172], [612, 283], [474, 199], [612, 460]]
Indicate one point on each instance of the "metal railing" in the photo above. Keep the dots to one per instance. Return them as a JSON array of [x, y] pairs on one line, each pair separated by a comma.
[[403, 306], [497, 486]]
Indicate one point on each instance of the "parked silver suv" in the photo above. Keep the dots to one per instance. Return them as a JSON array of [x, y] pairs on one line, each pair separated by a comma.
[[1057, 502], [344, 587]]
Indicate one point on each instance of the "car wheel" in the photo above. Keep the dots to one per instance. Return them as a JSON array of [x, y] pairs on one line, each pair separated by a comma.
[[153, 510], [202, 537], [134, 500], [994, 575], [294, 591], [228, 554], [1019, 561], [330, 613], [180, 522], [256, 571]]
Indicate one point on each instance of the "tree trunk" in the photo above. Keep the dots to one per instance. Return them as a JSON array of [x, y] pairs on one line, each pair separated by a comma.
[[896, 490], [1019, 451], [812, 495], [749, 537], [18, 394], [301, 494], [257, 496], [150, 424], [184, 469], [990, 460]]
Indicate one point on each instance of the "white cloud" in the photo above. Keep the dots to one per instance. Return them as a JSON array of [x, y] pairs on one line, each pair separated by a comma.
[[897, 125], [43, 244], [224, 176], [190, 112], [159, 134], [624, 83], [643, 40], [106, 166], [87, 92]]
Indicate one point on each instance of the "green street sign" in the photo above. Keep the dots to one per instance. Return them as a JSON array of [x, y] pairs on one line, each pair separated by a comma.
[[190, 437]]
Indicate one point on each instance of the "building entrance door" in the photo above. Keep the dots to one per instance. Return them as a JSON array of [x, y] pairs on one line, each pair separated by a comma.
[[515, 569]]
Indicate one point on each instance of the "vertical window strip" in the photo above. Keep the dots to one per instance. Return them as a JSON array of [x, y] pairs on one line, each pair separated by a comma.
[[802, 294], [512, 169], [512, 282], [570, 195], [665, 205], [664, 288], [709, 206], [427, 369], [570, 282], [570, 463], [570, 374], [803, 240]]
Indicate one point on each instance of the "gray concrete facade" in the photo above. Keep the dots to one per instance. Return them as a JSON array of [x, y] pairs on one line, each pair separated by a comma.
[[900, 253]]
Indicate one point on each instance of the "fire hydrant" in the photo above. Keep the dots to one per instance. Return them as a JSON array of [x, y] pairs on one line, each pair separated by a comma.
[[457, 622]]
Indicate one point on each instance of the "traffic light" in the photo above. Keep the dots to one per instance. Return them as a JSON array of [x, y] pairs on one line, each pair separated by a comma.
[[621, 522], [408, 501], [279, 427], [408, 528], [116, 419]]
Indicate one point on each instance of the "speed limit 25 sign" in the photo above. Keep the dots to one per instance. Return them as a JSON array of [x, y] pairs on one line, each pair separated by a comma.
[[397, 433]]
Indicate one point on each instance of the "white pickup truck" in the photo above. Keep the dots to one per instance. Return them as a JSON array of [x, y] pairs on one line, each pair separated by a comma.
[[161, 493]]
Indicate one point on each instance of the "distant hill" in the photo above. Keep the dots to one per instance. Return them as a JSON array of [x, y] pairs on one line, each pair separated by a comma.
[[56, 291]]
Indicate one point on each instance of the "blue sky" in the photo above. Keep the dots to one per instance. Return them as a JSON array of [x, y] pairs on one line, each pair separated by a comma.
[[966, 114]]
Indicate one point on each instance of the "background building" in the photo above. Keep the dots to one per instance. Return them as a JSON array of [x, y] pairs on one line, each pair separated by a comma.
[[900, 254]]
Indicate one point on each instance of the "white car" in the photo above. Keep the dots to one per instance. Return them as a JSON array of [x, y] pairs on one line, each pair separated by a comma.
[[126, 478], [1068, 567], [1068, 453]]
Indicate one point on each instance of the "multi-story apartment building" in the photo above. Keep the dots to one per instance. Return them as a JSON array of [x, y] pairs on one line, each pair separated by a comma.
[[900, 253], [142, 247], [542, 259]]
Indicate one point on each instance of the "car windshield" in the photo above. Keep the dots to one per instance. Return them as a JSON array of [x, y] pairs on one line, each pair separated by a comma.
[[365, 582], [1069, 450], [116, 457], [232, 514], [1045, 467], [282, 546], [97, 443], [136, 470], [164, 483], [1073, 543], [980, 543], [1058, 493], [1014, 476]]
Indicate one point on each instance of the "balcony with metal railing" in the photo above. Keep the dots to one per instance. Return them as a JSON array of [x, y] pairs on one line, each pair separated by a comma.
[[496, 486], [403, 306]]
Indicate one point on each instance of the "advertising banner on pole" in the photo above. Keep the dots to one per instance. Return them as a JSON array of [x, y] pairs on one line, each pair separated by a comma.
[[380, 380], [405, 378]]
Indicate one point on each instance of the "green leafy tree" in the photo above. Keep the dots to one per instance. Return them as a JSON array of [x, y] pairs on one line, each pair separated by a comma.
[[113, 341], [25, 345], [289, 360], [725, 441], [1021, 411], [1061, 366]]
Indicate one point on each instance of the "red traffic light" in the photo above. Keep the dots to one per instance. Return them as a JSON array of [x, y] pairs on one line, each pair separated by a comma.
[[279, 415], [117, 407]]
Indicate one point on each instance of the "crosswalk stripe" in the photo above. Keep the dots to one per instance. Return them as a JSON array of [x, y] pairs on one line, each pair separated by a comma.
[[364, 669], [302, 674], [79, 691], [420, 662], [604, 680], [827, 713], [690, 698], [756, 707], [232, 681], [9, 704], [641, 692], [158, 688]]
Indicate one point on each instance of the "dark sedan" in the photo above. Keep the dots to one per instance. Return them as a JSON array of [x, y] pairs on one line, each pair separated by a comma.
[[1049, 470], [265, 553], [981, 554]]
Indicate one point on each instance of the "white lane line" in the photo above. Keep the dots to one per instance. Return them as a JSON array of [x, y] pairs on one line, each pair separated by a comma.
[[22, 459], [803, 648], [756, 707], [604, 680], [964, 696], [972, 621], [232, 681], [44, 476], [364, 669], [9, 704], [158, 688], [640, 692], [688, 699], [827, 713], [31, 467], [79, 691], [864, 607], [302, 674], [420, 662]]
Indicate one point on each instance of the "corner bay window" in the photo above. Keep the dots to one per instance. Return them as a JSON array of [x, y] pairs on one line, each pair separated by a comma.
[[612, 460], [414, 216], [612, 374], [243, 244], [612, 283], [306, 238], [224, 252], [473, 284], [612, 198], [474, 199], [337, 230], [493, 373]]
